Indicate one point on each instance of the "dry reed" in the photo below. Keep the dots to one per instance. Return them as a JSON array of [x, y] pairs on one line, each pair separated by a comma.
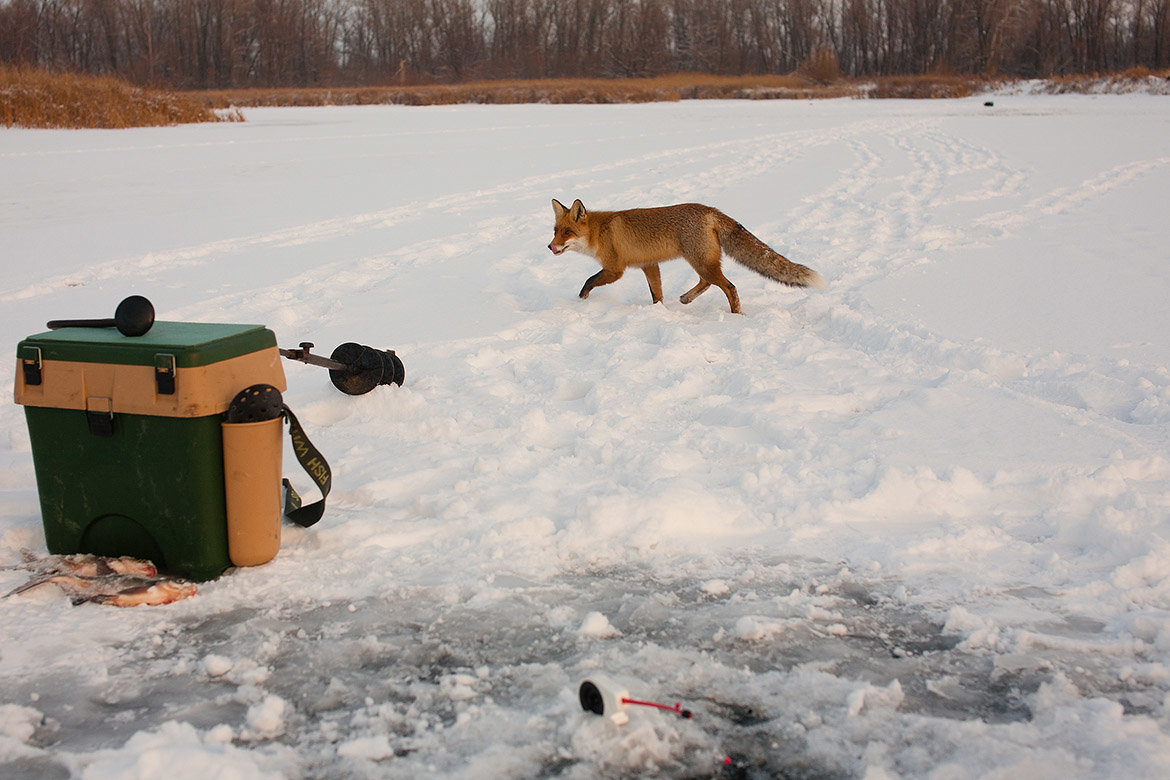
[[34, 98], [820, 79], [590, 91], [30, 97]]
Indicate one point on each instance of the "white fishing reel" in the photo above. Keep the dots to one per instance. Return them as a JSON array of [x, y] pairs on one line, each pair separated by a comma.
[[609, 698], [606, 697]]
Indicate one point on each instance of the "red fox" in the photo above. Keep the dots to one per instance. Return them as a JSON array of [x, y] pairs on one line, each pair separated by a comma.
[[645, 237]]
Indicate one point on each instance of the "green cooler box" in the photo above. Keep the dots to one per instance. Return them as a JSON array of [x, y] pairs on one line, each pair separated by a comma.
[[126, 436]]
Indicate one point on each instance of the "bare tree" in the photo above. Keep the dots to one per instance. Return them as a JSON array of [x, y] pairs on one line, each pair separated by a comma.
[[220, 43]]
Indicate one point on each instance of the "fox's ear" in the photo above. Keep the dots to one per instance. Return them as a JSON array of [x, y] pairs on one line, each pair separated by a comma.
[[558, 209], [578, 211]]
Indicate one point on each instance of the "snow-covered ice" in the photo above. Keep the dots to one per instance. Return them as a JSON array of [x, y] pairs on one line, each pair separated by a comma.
[[914, 525]]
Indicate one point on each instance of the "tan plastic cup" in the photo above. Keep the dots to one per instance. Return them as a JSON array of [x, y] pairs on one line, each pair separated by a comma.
[[251, 471]]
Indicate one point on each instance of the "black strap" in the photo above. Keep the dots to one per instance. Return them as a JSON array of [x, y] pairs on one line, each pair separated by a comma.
[[315, 466]]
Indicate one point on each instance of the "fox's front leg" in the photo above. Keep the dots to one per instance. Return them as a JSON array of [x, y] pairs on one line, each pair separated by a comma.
[[604, 276], [654, 278]]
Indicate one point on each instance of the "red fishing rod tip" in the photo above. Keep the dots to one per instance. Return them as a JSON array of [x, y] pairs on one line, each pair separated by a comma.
[[677, 708]]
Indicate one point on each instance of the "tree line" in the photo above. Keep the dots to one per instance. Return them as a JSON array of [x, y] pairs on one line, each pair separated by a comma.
[[241, 43]]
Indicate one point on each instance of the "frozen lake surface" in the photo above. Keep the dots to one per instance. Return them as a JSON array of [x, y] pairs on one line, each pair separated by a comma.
[[916, 525]]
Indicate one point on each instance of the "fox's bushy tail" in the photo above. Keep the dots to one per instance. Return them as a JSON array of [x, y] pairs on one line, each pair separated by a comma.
[[743, 247]]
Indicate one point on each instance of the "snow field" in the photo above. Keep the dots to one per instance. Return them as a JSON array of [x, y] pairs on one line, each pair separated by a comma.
[[911, 526]]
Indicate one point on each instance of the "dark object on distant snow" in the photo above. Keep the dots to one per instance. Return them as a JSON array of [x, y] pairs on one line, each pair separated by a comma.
[[989, 103], [133, 317], [354, 369]]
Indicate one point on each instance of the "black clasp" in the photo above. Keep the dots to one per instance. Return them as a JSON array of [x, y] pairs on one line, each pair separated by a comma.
[[164, 373], [99, 413], [30, 363]]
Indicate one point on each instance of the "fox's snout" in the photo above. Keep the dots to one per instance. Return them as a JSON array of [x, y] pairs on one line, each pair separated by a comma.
[[555, 248]]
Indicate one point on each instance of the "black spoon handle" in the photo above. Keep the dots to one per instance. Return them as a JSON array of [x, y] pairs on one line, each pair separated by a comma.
[[109, 322]]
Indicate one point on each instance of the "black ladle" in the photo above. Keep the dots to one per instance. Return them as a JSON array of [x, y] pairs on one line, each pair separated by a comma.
[[133, 317]]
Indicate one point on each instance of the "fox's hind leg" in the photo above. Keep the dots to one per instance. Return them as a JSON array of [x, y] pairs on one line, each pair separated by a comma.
[[604, 276], [654, 278], [728, 290], [709, 271], [694, 292]]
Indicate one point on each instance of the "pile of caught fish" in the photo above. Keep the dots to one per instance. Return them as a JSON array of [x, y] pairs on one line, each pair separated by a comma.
[[119, 582]]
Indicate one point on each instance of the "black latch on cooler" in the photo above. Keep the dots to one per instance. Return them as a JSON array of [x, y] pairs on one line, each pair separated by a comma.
[[30, 363], [164, 373], [99, 413]]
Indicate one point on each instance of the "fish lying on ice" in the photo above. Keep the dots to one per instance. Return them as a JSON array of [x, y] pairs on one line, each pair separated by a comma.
[[118, 590], [119, 582], [86, 565]]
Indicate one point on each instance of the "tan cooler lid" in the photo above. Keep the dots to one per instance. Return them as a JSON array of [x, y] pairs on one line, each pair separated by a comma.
[[175, 370]]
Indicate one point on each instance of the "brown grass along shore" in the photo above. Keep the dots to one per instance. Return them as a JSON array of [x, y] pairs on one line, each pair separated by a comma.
[[37, 98]]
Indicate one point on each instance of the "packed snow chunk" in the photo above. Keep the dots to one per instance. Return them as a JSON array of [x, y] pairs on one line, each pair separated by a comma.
[[871, 697], [246, 672], [219, 735], [19, 723], [752, 628], [597, 625], [457, 687], [917, 494], [266, 718], [216, 665], [1133, 745], [961, 621], [647, 746], [1149, 573], [376, 748], [978, 633], [715, 588], [1009, 665], [174, 751], [677, 513]]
